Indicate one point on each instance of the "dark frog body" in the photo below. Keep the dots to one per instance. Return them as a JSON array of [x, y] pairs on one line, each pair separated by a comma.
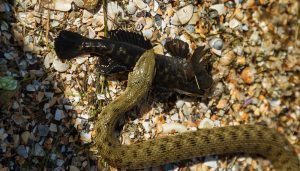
[[121, 50]]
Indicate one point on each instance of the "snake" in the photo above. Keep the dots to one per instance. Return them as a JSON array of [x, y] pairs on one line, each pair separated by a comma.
[[250, 139]]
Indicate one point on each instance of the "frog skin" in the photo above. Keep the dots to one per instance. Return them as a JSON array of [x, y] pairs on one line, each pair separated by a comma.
[[122, 49]]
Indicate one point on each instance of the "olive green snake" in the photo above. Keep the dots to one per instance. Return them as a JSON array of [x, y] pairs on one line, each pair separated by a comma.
[[250, 139]]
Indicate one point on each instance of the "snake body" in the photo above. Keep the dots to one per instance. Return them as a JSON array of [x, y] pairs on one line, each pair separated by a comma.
[[251, 139]]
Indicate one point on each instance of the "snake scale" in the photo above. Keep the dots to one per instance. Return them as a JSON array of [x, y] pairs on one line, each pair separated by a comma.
[[250, 139]]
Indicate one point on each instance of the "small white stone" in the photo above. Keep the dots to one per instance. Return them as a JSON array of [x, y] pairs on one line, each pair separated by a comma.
[[140, 4], [92, 33], [131, 8], [85, 116], [48, 60], [86, 15], [55, 23], [211, 162], [113, 9], [86, 136], [146, 125], [77, 122], [186, 110], [79, 3], [53, 127], [171, 127], [155, 6], [77, 99], [147, 33], [206, 123], [183, 15], [179, 103], [216, 43], [175, 117], [100, 97], [131, 135], [234, 23], [220, 8], [59, 66], [147, 136], [63, 5]]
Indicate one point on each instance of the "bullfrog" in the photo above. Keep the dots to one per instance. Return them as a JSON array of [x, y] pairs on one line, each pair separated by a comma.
[[119, 52]]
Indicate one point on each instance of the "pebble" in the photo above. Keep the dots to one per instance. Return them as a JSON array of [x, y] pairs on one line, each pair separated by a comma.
[[186, 110], [230, 4], [179, 103], [113, 10], [86, 16], [131, 8], [248, 75], [19, 119], [195, 19], [233, 23], [175, 117], [22, 151], [60, 66], [206, 123], [30, 88], [216, 43], [155, 6], [220, 8], [241, 60], [222, 104], [86, 137], [147, 33], [38, 150], [49, 95], [149, 23], [140, 4], [25, 137], [59, 162], [3, 135], [49, 60], [211, 162], [146, 125], [190, 28], [227, 58], [43, 130], [53, 127], [16, 139], [183, 15], [92, 33], [171, 127], [63, 5], [59, 114]]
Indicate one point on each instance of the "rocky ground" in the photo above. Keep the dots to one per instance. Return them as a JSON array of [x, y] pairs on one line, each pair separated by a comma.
[[48, 106]]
